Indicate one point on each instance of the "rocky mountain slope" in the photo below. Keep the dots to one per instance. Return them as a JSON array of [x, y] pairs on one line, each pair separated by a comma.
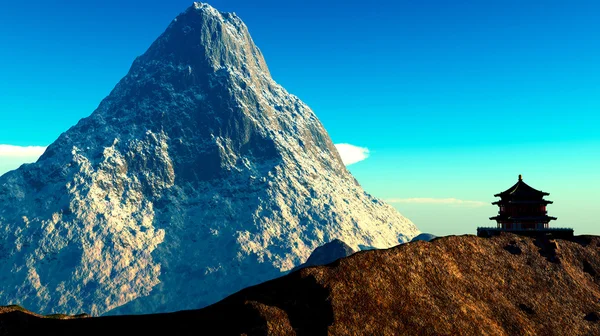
[[506, 285], [327, 253], [197, 176], [424, 237]]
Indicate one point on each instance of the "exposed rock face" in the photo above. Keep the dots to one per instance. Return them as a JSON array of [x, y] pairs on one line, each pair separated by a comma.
[[328, 253], [451, 286], [196, 177]]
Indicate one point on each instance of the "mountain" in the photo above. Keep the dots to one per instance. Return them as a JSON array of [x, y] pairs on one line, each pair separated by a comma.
[[424, 237], [327, 253], [196, 177], [456, 285]]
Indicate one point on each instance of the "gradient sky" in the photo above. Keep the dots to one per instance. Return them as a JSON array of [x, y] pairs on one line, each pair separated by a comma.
[[452, 99]]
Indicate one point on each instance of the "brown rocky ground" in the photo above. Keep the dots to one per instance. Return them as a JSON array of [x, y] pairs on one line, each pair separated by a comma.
[[460, 285]]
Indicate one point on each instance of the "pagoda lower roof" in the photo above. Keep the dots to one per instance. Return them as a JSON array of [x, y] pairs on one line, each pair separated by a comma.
[[541, 201], [523, 218]]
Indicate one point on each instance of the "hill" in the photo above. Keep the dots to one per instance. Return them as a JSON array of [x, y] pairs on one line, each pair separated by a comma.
[[457, 285]]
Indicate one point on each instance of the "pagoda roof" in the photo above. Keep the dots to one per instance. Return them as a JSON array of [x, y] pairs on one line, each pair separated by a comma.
[[523, 218], [510, 201], [522, 190]]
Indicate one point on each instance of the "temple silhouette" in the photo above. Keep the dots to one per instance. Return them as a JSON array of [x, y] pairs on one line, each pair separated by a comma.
[[522, 210]]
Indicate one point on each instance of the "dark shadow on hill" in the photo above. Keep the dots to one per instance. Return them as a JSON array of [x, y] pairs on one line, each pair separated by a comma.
[[291, 304], [547, 249]]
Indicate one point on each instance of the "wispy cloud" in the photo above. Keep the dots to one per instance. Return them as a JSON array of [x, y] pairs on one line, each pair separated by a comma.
[[352, 154], [452, 201], [27, 152]]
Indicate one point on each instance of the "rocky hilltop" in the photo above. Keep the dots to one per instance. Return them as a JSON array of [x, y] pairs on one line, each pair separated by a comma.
[[196, 177], [506, 285]]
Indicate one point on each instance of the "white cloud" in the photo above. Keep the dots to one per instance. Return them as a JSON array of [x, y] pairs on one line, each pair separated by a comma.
[[11, 157], [28, 152], [352, 154], [452, 201]]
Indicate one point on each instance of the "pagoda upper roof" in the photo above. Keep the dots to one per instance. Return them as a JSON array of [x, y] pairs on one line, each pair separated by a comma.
[[522, 190]]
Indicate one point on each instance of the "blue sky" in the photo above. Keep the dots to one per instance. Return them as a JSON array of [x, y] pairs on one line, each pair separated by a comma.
[[452, 99]]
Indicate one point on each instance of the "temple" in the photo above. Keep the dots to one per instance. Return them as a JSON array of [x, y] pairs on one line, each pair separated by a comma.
[[522, 210]]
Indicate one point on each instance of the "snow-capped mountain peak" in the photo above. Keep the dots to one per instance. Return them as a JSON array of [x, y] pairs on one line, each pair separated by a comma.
[[197, 176]]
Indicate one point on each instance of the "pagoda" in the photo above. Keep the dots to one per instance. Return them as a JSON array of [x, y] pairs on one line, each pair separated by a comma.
[[522, 210]]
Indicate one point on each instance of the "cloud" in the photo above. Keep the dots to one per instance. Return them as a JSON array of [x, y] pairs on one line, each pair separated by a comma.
[[10, 151], [352, 154], [11, 157], [452, 201]]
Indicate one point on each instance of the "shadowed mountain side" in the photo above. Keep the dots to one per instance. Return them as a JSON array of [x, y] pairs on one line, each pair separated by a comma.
[[453, 285], [424, 237], [327, 254]]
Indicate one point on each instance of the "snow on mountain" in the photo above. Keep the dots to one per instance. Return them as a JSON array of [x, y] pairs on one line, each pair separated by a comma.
[[196, 177]]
